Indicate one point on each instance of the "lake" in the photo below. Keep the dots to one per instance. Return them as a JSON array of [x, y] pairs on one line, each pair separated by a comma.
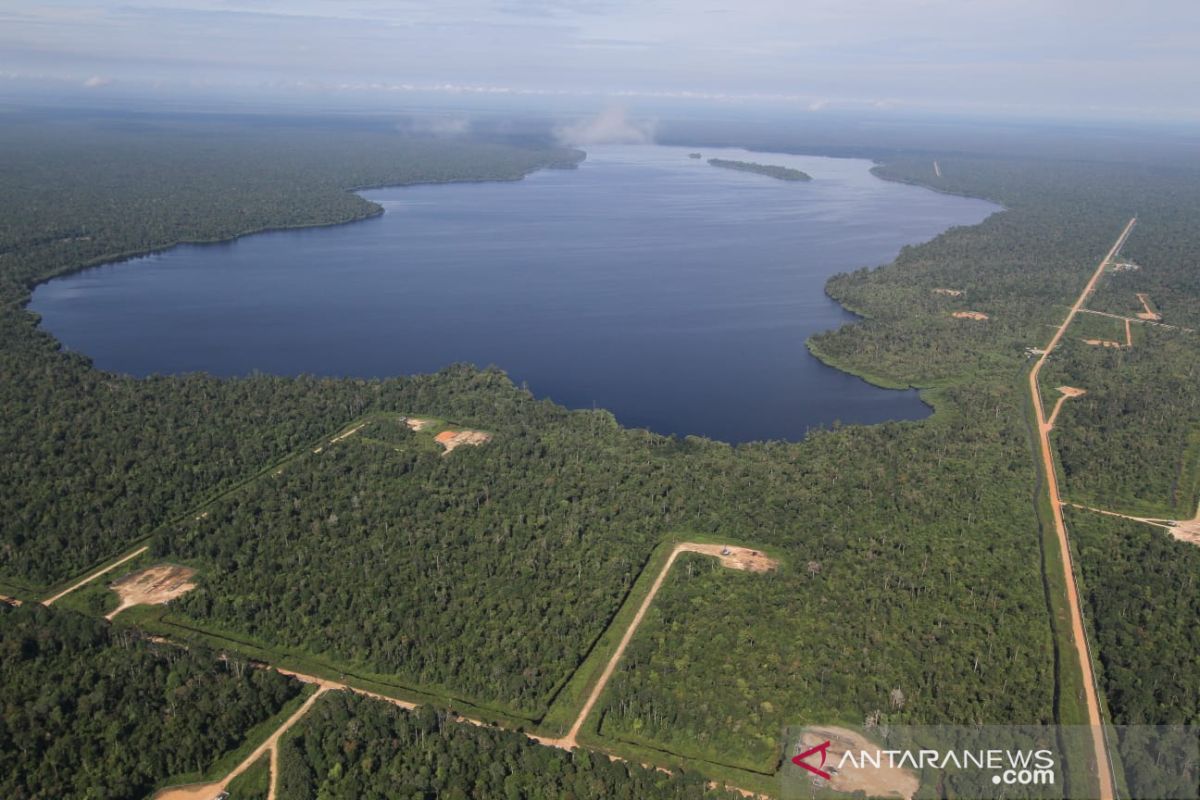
[[675, 294]]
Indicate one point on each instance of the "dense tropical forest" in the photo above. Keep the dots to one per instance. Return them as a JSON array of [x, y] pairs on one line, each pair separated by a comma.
[[770, 170], [348, 748], [1143, 592], [92, 711], [913, 585], [1132, 443]]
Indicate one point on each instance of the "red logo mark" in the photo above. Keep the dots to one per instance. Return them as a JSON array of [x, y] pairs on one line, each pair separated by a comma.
[[799, 761]]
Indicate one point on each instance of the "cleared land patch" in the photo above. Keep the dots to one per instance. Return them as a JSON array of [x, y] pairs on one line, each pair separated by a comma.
[[975, 315], [884, 781], [454, 439], [152, 586], [949, 292]]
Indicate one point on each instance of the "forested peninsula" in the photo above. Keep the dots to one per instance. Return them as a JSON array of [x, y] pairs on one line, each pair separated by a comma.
[[770, 170]]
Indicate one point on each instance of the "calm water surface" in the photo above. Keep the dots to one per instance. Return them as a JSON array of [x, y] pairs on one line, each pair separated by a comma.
[[676, 294]]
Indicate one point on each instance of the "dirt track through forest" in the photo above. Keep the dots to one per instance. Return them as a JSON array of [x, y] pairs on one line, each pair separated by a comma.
[[208, 791], [740, 558], [1185, 530], [1131, 319], [732, 557], [51, 600], [1078, 632], [1067, 393]]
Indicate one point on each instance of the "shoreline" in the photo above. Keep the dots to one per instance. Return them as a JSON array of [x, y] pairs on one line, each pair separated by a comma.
[[373, 210]]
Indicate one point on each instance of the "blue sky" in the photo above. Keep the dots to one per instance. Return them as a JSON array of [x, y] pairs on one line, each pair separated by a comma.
[[1029, 57]]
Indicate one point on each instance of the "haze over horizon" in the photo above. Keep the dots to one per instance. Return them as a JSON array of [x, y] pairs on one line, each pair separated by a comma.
[[1065, 58]]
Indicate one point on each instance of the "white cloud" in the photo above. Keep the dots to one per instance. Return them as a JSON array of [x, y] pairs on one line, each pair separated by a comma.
[[96, 82], [610, 126]]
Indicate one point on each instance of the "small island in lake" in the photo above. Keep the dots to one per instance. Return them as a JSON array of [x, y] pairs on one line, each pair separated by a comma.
[[782, 173]]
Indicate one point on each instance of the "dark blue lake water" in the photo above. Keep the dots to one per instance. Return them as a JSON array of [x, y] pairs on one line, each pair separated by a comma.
[[676, 294]]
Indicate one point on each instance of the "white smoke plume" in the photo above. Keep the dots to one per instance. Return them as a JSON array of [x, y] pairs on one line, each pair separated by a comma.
[[610, 126]]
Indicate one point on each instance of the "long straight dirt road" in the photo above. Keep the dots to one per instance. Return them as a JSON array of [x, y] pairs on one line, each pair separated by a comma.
[[1078, 633], [92, 576]]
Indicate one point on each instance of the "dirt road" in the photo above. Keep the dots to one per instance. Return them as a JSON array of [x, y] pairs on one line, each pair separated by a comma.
[[732, 557], [50, 600], [208, 791], [740, 558], [1067, 393], [1078, 632], [1131, 319], [1185, 530]]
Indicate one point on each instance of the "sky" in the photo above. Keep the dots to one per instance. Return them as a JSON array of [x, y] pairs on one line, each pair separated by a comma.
[[1058, 58]]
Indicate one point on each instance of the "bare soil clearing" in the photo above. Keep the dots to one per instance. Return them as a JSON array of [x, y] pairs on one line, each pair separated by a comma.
[[417, 423], [975, 315], [1103, 761], [152, 586], [1102, 343], [453, 439], [12, 601], [886, 781], [949, 292], [742, 558]]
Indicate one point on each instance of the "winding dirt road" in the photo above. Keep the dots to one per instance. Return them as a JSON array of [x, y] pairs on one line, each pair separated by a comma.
[[1078, 632]]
